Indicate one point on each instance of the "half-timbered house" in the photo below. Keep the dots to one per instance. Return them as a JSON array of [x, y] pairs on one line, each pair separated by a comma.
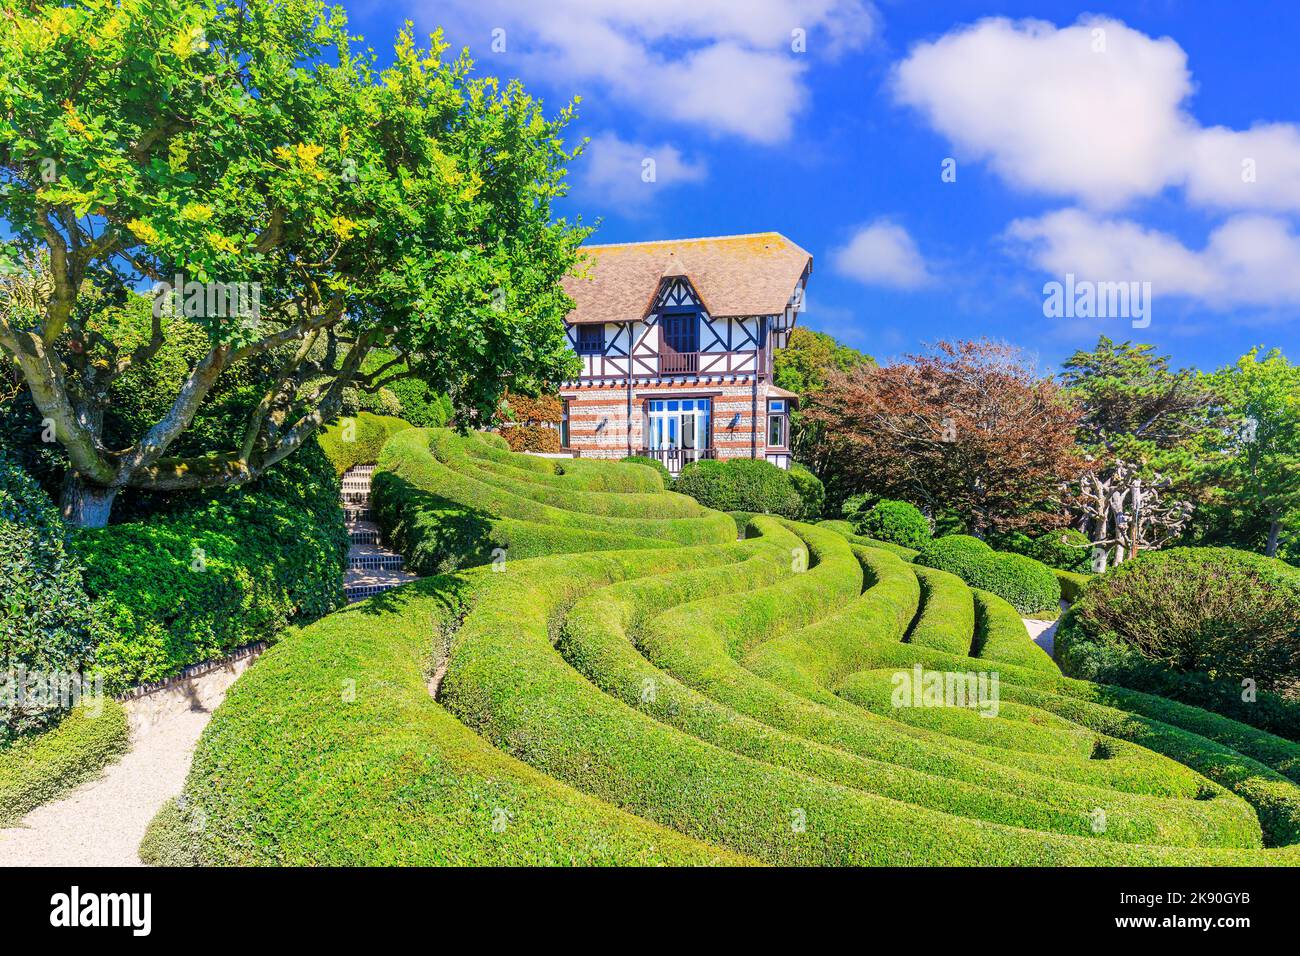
[[676, 340]]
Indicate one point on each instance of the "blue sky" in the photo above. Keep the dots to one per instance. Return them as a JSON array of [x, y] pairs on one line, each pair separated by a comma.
[[1154, 142]]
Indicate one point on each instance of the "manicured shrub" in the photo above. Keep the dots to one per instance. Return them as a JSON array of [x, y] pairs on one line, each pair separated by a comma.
[[1072, 584], [654, 463], [896, 522], [352, 441], [38, 768], [1028, 585], [810, 489], [231, 569], [1000, 635], [741, 484], [1193, 624], [854, 506], [47, 624]]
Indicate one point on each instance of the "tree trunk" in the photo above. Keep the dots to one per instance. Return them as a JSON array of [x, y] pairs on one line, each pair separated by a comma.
[[1274, 529], [86, 505]]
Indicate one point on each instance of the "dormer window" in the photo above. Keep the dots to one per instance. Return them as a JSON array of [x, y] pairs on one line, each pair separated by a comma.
[[591, 339]]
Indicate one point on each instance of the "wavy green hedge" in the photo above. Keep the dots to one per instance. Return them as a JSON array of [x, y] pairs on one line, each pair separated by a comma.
[[1028, 585], [36, 769], [713, 698], [357, 440]]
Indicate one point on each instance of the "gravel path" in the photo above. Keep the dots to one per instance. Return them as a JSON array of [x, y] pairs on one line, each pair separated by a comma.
[[101, 822], [1044, 632]]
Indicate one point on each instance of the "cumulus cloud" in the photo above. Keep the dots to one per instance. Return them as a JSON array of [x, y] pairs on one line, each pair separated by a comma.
[[882, 253], [628, 175], [1095, 111], [724, 65], [1250, 260]]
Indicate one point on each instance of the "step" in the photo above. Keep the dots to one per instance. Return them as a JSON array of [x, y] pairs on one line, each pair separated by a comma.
[[386, 561], [359, 583], [357, 514], [363, 535]]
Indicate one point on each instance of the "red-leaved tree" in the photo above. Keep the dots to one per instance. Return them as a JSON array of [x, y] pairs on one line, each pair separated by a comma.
[[968, 426]]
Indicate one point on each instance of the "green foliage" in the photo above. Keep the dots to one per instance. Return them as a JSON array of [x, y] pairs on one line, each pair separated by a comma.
[[810, 489], [654, 463], [894, 521], [36, 769], [809, 357], [1026, 584], [1067, 549], [1072, 583], [741, 484], [406, 207], [357, 441], [717, 692], [47, 624], [449, 501], [1228, 615], [193, 584]]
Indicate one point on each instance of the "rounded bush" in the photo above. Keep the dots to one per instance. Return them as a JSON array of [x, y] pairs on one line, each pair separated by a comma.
[[741, 484], [47, 623], [896, 522], [531, 438], [1227, 614], [1026, 584], [1066, 549], [809, 488]]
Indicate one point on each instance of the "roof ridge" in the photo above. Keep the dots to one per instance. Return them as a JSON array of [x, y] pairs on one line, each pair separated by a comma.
[[660, 242]]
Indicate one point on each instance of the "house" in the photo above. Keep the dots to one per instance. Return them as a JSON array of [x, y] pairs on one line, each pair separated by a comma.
[[676, 339]]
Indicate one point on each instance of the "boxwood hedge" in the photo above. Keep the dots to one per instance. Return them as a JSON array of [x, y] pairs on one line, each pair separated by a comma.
[[1028, 585]]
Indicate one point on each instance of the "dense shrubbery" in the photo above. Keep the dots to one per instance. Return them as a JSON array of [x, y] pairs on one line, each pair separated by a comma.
[[1067, 549], [1192, 624], [228, 569], [1025, 583], [894, 521], [47, 624], [810, 489], [741, 484], [357, 441], [531, 438]]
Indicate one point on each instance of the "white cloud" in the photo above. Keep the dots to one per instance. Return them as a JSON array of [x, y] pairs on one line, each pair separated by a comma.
[[1094, 111], [629, 175], [1250, 260], [725, 65], [882, 253]]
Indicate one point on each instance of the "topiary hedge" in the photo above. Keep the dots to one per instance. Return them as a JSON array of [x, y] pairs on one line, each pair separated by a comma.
[[1026, 584], [896, 522], [810, 489], [1066, 549], [741, 484], [1192, 624], [47, 624], [349, 442], [231, 569], [531, 438], [654, 463]]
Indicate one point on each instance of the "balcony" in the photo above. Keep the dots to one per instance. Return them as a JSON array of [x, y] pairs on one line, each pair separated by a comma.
[[675, 459], [679, 363]]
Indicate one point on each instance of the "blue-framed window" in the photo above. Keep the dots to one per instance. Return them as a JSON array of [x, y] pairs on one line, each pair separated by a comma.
[[679, 423]]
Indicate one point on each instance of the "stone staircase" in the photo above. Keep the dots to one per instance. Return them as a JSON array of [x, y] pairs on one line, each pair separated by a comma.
[[372, 568]]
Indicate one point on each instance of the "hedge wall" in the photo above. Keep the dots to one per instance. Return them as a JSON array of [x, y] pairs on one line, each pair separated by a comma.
[[234, 568], [1027, 584]]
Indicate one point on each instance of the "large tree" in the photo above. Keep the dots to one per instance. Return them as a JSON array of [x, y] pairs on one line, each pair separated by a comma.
[[255, 146], [1147, 433], [968, 427], [1260, 473]]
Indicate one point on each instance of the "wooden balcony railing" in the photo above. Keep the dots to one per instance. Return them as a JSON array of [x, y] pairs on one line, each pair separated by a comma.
[[674, 459], [679, 363]]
